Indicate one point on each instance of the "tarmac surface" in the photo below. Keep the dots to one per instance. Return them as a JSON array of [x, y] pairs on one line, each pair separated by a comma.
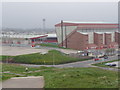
[[14, 51]]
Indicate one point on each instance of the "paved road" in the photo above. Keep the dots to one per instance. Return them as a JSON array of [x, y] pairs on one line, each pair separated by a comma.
[[112, 69], [74, 64]]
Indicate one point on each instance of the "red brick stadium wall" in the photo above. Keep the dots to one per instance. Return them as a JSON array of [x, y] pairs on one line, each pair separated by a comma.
[[117, 38], [108, 38], [98, 39], [76, 41]]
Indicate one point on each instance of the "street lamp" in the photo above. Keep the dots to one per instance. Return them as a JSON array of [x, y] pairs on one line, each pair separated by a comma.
[[53, 59]]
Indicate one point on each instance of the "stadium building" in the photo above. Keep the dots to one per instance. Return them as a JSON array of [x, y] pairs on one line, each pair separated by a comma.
[[87, 35]]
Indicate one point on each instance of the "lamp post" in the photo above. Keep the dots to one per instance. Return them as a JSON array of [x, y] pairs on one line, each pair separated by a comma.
[[53, 59], [43, 25]]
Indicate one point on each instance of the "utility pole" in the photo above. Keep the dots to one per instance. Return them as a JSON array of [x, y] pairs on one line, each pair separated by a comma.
[[65, 37], [62, 32]]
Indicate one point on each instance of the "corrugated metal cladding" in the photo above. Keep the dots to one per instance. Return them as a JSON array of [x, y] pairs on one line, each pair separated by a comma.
[[82, 35]]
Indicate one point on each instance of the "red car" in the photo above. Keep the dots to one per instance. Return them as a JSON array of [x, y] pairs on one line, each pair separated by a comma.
[[96, 59]]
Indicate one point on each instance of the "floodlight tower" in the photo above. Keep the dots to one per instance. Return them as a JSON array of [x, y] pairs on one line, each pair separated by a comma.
[[44, 25]]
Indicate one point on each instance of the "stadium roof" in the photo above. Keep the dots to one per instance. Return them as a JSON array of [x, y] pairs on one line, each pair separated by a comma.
[[100, 22], [51, 35], [73, 23], [23, 36], [26, 36]]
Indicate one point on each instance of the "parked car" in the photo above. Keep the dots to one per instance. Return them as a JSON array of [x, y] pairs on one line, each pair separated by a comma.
[[96, 59], [113, 64], [110, 64], [37, 46], [107, 64], [105, 57]]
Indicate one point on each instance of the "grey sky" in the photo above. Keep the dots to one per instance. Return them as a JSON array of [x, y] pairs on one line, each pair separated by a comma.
[[30, 15]]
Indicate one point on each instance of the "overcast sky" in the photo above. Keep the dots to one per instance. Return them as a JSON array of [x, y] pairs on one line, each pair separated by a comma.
[[30, 14]]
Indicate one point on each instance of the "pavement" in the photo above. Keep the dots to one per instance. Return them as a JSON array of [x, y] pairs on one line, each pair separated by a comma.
[[24, 82]]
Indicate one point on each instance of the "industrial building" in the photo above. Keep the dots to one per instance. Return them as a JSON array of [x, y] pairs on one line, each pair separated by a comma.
[[87, 35], [25, 40], [51, 38]]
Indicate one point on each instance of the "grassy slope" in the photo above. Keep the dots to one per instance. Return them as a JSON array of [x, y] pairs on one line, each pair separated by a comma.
[[81, 78], [4, 58], [18, 69], [70, 77], [52, 56], [52, 45], [49, 45]]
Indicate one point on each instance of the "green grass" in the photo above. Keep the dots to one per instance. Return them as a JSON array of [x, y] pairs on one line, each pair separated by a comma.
[[52, 45], [18, 69], [69, 77], [4, 58], [81, 78], [49, 45], [103, 64], [52, 57], [15, 68]]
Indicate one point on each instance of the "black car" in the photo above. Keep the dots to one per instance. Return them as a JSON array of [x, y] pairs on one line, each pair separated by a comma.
[[105, 57]]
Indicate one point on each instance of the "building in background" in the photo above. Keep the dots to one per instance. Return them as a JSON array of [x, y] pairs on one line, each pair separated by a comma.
[[51, 38], [87, 35], [27, 40]]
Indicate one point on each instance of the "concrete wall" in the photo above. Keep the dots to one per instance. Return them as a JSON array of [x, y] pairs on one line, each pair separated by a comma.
[[69, 29], [90, 37]]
